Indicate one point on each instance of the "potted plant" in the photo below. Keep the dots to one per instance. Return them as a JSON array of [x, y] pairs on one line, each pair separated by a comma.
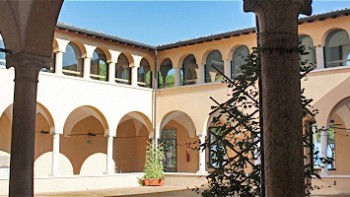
[[154, 169]]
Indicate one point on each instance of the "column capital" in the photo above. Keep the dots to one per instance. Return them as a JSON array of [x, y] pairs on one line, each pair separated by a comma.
[[301, 6], [23, 58], [271, 23]]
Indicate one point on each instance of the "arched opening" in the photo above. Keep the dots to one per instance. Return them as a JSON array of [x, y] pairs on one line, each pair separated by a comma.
[[337, 48], [309, 58], [166, 74], [211, 75], [84, 131], [99, 67], [338, 138], [43, 140], [189, 70], [5, 142], [72, 61], [2, 53], [130, 144], [122, 71], [177, 133], [144, 77], [238, 59]]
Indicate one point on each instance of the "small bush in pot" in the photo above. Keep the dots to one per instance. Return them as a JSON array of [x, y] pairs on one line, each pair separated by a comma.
[[154, 168]]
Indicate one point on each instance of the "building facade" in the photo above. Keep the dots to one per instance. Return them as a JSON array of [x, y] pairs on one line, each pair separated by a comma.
[[103, 97]]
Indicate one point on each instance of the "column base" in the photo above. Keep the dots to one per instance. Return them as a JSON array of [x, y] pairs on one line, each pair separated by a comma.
[[108, 173], [53, 174], [202, 172]]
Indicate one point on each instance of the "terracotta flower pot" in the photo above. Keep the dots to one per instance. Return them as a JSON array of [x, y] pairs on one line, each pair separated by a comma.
[[153, 182]]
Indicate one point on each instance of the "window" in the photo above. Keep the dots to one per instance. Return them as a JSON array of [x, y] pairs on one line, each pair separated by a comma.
[[189, 70], [123, 70], [72, 61], [168, 139], [144, 77], [217, 150], [337, 49], [238, 59], [99, 67], [211, 75]]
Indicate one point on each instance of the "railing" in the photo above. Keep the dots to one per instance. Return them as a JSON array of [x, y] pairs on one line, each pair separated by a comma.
[[122, 81], [337, 55], [71, 72], [98, 77]]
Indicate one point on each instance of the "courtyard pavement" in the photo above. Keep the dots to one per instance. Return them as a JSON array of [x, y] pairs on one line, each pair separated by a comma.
[[145, 191], [140, 191]]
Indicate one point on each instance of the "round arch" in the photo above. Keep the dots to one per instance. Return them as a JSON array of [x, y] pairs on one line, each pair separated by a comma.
[[166, 75], [211, 74], [189, 67], [99, 66], [145, 74], [133, 132], [176, 131], [84, 131], [336, 48]]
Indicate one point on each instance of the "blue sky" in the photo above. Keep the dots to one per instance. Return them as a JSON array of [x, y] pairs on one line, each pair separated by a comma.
[[162, 22]]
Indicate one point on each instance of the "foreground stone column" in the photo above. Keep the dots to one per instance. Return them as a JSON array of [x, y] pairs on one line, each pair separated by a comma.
[[27, 67], [55, 154], [282, 109]]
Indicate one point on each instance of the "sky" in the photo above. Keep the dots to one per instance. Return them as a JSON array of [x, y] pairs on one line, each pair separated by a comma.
[[162, 22]]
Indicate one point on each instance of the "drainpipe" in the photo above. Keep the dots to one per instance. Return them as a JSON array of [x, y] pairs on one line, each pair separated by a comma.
[[154, 98]]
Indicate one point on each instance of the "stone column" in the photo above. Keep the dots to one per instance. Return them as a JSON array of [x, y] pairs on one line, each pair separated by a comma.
[[201, 167], [281, 90], [134, 74], [320, 57], [110, 163], [324, 145], [58, 62], [87, 68], [200, 73], [27, 67], [227, 68], [55, 154], [177, 76], [111, 72]]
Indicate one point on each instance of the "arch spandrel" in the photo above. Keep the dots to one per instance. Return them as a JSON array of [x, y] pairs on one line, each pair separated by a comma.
[[139, 119], [81, 113], [181, 118]]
